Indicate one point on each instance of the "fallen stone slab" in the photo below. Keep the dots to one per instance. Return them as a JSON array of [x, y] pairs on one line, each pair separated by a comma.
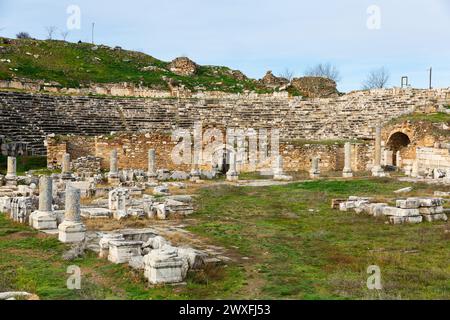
[[93, 213], [431, 210], [399, 212], [435, 217], [404, 190], [410, 203], [402, 220], [431, 202]]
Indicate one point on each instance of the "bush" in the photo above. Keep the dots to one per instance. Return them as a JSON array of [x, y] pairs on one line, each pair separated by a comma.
[[23, 35]]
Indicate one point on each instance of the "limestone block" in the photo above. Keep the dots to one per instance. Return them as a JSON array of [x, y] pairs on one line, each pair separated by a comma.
[[137, 262], [399, 212], [431, 202], [136, 212], [104, 243], [121, 251], [71, 231], [161, 211], [179, 175], [162, 190], [402, 220], [376, 209], [435, 217], [43, 220], [156, 242], [431, 210], [93, 213], [404, 190], [163, 266], [410, 203]]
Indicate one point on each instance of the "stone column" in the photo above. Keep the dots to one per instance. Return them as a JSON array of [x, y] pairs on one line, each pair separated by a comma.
[[151, 164], [11, 173], [72, 229], [113, 175], [44, 218], [398, 160], [195, 171], [232, 174], [278, 173], [347, 172], [66, 173], [314, 173], [377, 171]]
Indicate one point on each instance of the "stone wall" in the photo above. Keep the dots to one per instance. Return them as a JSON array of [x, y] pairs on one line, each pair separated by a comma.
[[132, 153], [433, 158], [29, 118]]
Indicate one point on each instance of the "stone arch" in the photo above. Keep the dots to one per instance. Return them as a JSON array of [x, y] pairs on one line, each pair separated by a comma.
[[396, 142]]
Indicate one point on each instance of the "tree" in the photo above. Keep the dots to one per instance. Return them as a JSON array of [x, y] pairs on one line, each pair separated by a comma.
[[287, 74], [23, 35], [326, 70], [50, 31], [376, 79], [64, 34]]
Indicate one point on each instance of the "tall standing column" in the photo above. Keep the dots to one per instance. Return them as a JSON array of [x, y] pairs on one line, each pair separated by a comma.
[[398, 160], [113, 175], [347, 172], [232, 174], [72, 229], [11, 173], [151, 164], [377, 171], [44, 218]]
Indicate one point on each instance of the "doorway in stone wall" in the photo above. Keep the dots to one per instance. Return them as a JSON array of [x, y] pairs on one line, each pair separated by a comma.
[[397, 142]]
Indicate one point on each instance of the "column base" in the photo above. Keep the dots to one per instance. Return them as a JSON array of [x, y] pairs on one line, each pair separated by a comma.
[[314, 174], [43, 220], [113, 178], [233, 176], [347, 174], [377, 171], [10, 180], [71, 231]]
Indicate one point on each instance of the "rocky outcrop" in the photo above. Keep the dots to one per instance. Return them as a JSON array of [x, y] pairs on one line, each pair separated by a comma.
[[183, 66], [315, 87], [271, 81]]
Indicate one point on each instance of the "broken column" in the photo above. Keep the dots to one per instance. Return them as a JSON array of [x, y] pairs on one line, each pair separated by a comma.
[[72, 228], [314, 173], [44, 218], [151, 173], [113, 175], [11, 173], [118, 201], [377, 170], [232, 174], [398, 160], [278, 173], [66, 173], [347, 172]]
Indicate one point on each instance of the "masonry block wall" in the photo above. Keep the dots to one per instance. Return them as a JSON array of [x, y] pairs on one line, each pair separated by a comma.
[[30, 117], [132, 153]]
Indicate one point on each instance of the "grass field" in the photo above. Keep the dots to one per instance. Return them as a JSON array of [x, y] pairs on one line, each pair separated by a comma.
[[286, 241], [25, 163], [80, 64]]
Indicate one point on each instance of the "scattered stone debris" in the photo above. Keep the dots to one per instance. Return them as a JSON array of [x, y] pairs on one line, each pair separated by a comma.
[[410, 210]]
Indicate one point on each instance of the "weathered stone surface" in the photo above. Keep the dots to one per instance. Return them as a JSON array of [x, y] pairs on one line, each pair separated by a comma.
[[315, 87], [435, 217], [404, 190], [431, 210], [399, 212], [410, 203], [402, 220], [121, 251], [72, 229], [164, 266], [183, 66], [93, 213]]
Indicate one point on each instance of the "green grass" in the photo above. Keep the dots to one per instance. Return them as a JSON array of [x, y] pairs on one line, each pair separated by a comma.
[[26, 163], [297, 248], [32, 262], [324, 254], [439, 117], [78, 64]]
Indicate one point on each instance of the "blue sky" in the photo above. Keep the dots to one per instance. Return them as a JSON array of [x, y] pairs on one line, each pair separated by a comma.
[[259, 35]]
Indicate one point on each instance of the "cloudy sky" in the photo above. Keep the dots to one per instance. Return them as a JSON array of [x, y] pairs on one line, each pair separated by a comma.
[[259, 35]]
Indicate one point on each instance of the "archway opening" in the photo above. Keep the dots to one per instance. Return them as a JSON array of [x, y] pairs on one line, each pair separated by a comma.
[[397, 142]]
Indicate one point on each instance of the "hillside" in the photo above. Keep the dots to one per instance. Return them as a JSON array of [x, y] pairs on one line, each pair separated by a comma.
[[77, 65]]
